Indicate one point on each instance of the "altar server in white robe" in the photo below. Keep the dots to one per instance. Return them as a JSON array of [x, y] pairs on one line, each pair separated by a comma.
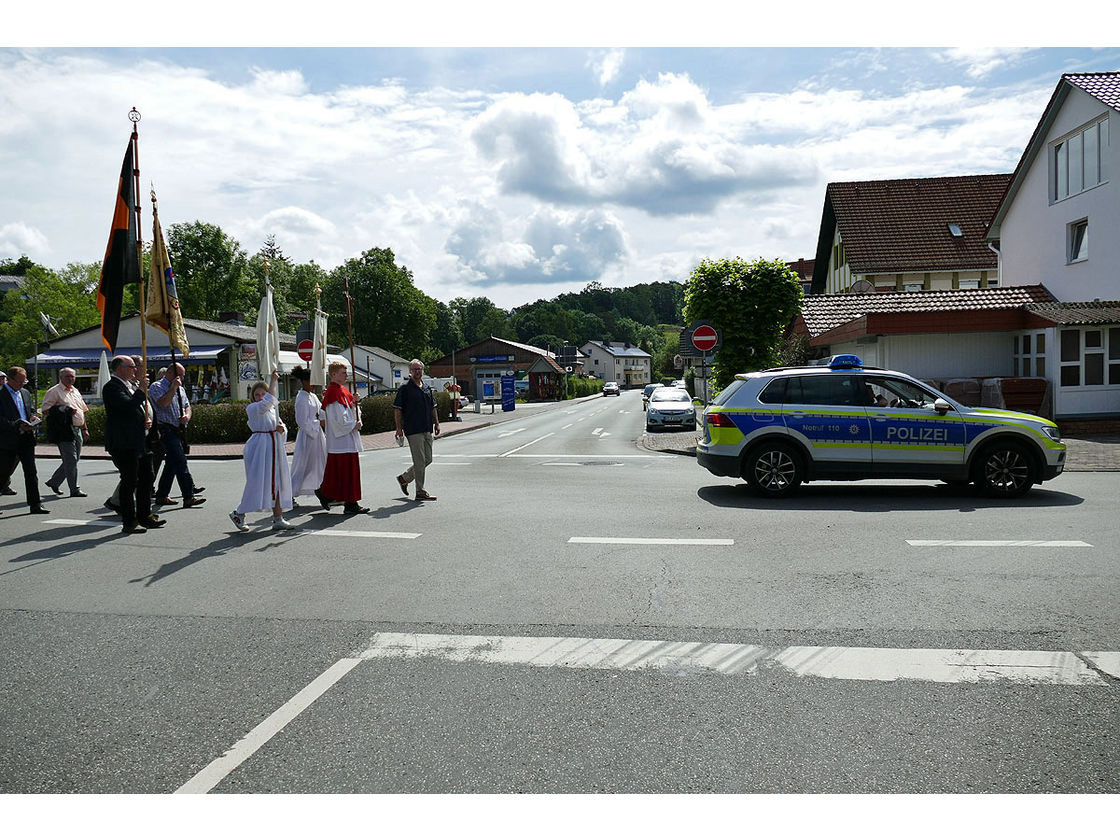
[[268, 482], [310, 457]]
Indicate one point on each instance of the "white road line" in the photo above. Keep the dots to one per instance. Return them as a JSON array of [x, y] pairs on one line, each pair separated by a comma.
[[577, 457], [876, 664], [209, 776], [596, 430], [530, 443], [560, 464], [100, 522], [1107, 661], [565, 427], [384, 535], [1001, 543], [647, 541], [511, 432]]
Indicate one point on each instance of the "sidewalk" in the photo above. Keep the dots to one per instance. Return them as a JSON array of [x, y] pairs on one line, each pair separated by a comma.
[[469, 420], [1095, 453]]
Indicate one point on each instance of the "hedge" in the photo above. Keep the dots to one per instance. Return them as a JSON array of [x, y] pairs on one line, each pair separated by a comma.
[[226, 422]]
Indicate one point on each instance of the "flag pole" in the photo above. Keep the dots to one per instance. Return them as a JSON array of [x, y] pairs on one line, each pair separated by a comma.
[[350, 332], [134, 117]]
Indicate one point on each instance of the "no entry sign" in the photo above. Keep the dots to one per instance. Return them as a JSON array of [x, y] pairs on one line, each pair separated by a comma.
[[705, 338], [304, 349]]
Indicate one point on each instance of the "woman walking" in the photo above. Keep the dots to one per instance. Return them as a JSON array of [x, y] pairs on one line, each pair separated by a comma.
[[342, 481], [310, 458], [268, 483]]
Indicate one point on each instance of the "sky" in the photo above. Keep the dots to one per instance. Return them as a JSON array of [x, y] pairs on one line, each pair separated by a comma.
[[506, 161]]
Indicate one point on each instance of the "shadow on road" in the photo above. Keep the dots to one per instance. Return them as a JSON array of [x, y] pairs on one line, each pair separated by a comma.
[[839, 496]]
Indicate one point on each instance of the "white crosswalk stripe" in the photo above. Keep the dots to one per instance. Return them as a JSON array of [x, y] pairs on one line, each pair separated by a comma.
[[844, 663]]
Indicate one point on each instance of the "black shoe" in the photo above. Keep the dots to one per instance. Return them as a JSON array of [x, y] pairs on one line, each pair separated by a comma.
[[78, 494], [109, 503], [53, 488], [163, 501], [323, 500], [7, 491], [39, 509], [198, 489], [194, 501], [134, 528], [152, 522], [354, 507]]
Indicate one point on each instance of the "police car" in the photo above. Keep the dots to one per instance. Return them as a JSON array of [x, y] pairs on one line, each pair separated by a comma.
[[841, 420]]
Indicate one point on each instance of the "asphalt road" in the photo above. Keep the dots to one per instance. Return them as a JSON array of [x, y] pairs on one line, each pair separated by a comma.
[[134, 664]]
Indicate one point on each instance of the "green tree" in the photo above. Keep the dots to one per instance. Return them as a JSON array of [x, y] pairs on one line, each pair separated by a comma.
[[66, 300], [389, 311], [751, 304], [211, 272], [17, 268], [479, 318]]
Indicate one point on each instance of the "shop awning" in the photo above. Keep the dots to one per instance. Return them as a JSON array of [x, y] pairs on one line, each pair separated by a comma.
[[89, 357], [289, 360]]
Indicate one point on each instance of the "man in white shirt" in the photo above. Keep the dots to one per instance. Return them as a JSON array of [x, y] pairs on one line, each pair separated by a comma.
[[65, 398]]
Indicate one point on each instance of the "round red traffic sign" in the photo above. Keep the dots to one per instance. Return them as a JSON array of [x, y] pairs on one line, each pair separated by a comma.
[[704, 338], [304, 349]]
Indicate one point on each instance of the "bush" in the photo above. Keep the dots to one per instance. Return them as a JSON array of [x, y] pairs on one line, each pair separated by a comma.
[[226, 421], [578, 387]]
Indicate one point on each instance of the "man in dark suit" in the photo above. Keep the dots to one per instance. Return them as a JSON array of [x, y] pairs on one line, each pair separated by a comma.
[[17, 435], [126, 442]]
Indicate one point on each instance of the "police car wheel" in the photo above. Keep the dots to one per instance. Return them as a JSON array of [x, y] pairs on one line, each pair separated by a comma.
[[773, 469], [1005, 470]]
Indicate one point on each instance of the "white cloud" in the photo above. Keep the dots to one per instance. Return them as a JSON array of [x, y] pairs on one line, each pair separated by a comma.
[[547, 247], [607, 65], [17, 239], [979, 62]]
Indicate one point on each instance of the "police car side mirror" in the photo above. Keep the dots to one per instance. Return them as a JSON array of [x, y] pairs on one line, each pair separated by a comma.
[[941, 406]]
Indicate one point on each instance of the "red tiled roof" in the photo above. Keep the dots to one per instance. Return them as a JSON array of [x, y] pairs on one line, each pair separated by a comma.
[[822, 313], [1102, 86], [1070, 314], [902, 225]]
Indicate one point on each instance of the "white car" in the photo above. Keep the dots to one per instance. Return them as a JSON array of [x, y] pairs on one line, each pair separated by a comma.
[[611, 389], [670, 408]]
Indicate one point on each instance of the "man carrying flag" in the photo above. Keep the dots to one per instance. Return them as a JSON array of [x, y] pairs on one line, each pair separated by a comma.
[[122, 255]]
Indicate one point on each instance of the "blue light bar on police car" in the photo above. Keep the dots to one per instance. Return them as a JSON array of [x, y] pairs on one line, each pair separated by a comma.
[[845, 360]]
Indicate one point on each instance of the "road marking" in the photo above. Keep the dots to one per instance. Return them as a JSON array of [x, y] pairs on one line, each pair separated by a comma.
[[209, 776], [1001, 543], [530, 443], [100, 522], [578, 457], [874, 664], [384, 535], [647, 541], [1107, 661], [565, 427], [596, 430], [511, 432]]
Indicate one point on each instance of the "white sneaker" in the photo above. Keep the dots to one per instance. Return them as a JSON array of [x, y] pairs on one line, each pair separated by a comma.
[[281, 524], [238, 519]]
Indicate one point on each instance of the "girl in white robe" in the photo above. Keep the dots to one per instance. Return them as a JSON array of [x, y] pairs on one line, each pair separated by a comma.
[[268, 483], [310, 457]]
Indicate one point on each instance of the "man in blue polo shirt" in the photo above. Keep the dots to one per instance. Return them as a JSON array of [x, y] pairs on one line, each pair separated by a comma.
[[173, 413], [414, 410]]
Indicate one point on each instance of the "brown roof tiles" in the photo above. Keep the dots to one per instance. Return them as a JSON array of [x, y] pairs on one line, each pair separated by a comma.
[[822, 313]]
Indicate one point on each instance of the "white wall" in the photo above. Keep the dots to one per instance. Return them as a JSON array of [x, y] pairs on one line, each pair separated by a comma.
[[1033, 233], [936, 355]]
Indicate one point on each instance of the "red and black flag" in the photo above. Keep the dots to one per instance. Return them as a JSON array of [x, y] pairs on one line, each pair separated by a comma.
[[122, 258]]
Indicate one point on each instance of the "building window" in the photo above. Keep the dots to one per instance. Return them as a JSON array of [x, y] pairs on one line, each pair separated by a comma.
[[1090, 357], [1029, 355], [1080, 160], [1078, 238]]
